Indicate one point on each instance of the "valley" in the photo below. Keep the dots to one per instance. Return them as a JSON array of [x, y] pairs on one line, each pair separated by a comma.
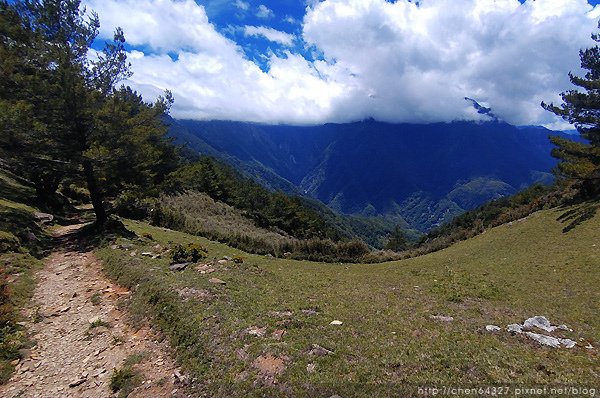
[[331, 198], [422, 175]]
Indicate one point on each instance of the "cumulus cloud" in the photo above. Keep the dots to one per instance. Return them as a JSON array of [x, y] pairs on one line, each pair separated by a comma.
[[242, 5], [264, 12], [420, 61], [394, 61], [270, 34]]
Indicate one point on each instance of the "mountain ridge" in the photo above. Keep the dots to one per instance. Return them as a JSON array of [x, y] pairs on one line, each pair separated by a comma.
[[426, 174]]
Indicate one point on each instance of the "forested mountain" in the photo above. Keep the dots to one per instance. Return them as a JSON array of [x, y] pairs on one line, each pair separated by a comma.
[[426, 174]]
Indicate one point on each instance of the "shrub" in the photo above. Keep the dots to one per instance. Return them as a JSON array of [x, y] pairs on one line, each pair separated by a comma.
[[190, 253], [133, 204], [76, 193], [9, 242], [124, 381]]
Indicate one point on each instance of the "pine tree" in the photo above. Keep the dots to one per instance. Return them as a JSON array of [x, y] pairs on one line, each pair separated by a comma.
[[397, 241], [62, 114], [581, 160]]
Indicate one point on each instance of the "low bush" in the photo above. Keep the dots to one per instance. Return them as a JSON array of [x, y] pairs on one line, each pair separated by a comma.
[[9, 242], [190, 253]]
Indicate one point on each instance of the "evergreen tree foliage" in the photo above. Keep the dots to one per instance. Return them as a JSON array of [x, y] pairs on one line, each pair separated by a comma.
[[62, 114], [581, 107], [397, 241]]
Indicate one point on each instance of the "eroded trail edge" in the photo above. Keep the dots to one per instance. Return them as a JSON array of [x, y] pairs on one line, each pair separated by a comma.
[[82, 336]]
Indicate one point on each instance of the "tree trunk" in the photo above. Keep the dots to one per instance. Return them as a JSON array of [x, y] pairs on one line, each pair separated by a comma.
[[46, 184], [95, 193]]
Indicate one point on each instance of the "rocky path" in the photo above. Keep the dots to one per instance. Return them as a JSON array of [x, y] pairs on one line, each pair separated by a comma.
[[82, 336]]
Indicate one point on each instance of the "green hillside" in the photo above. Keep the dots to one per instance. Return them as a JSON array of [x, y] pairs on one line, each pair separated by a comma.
[[389, 343]]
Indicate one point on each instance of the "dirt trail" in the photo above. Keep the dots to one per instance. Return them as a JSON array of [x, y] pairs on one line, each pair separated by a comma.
[[73, 359]]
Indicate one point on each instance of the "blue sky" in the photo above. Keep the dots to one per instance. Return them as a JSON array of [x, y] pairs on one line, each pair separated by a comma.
[[317, 61]]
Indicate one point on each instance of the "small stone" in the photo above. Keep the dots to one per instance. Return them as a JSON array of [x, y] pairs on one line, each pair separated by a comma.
[[539, 322], [217, 281], [77, 382], [336, 323], [281, 314], [43, 217], [310, 311], [514, 328], [492, 328], [564, 327], [442, 318], [278, 334], [256, 331], [551, 341], [319, 351], [222, 262], [227, 258], [65, 309], [114, 247], [30, 237], [147, 254], [310, 368], [179, 267]]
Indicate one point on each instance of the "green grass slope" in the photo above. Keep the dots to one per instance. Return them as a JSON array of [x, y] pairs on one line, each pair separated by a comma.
[[17, 263], [388, 344]]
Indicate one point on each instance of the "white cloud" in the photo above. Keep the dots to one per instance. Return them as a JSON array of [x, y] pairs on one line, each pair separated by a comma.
[[420, 61], [270, 34], [391, 61], [264, 12], [242, 5]]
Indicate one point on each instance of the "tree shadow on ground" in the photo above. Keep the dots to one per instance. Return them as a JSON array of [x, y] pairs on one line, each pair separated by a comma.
[[88, 236], [578, 214]]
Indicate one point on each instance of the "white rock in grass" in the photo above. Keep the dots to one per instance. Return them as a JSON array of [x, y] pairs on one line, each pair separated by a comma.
[[515, 328], [540, 322], [442, 318], [550, 341], [492, 328], [336, 323], [568, 343], [544, 340]]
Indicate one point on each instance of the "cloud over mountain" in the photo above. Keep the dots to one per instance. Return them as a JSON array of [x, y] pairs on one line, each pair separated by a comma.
[[394, 61]]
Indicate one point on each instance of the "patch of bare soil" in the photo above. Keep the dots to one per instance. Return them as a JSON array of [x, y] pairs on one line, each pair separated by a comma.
[[81, 336]]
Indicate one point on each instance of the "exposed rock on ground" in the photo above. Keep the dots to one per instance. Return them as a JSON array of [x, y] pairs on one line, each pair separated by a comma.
[[538, 323]]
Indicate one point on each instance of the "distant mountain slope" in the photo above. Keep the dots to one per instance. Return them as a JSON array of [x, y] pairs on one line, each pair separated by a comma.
[[426, 174]]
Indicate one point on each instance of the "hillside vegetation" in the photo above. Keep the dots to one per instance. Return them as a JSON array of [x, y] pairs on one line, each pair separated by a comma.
[[22, 243], [264, 329], [423, 175]]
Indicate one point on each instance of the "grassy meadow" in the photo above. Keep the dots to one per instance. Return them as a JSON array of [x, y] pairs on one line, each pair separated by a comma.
[[263, 332]]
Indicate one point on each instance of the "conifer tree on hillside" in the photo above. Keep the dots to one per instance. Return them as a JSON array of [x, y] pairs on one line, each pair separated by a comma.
[[581, 161], [62, 114]]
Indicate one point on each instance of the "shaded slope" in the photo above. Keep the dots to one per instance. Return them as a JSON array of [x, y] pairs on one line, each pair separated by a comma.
[[424, 173]]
